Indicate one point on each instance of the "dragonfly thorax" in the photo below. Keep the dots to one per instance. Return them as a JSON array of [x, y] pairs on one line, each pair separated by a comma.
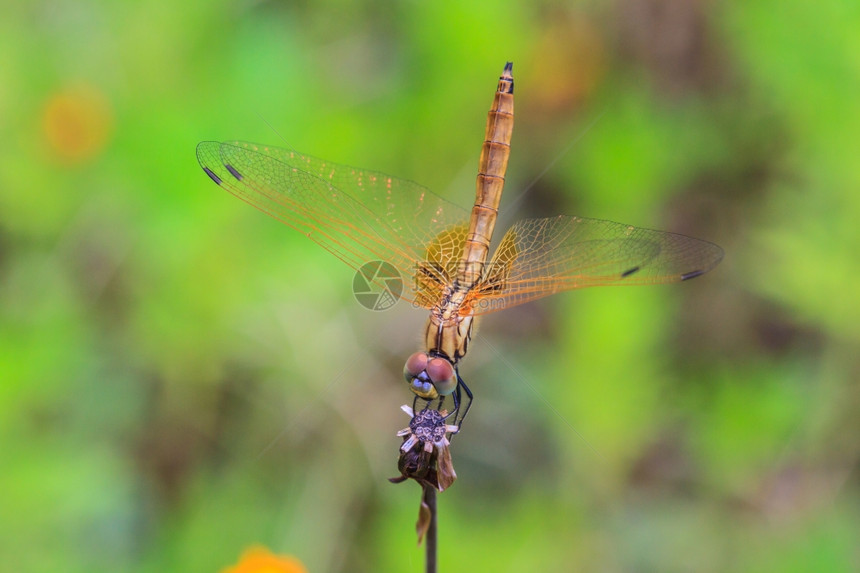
[[447, 334], [453, 305]]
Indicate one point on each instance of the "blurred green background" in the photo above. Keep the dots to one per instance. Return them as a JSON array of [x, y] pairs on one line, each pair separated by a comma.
[[182, 377]]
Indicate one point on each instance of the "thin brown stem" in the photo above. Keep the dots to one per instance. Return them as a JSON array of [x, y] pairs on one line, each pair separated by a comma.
[[432, 539]]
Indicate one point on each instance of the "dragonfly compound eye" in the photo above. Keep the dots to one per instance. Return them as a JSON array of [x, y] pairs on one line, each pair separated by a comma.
[[415, 366], [415, 373], [442, 374]]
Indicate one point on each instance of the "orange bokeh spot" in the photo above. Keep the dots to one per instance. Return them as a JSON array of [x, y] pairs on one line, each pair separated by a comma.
[[258, 559], [77, 122], [570, 65]]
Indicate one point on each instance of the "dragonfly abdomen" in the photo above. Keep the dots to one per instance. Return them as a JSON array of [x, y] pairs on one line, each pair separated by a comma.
[[490, 181]]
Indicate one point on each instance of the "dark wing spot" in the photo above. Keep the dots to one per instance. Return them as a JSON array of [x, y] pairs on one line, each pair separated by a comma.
[[233, 171], [629, 272], [212, 176], [692, 275]]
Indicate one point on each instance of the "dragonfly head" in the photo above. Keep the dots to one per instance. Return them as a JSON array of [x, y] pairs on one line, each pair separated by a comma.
[[430, 376]]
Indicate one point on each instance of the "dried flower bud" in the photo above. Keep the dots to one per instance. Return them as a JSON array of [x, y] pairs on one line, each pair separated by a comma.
[[424, 454]]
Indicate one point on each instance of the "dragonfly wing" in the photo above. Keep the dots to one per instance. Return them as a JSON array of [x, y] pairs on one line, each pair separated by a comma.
[[358, 215], [539, 257], [440, 265]]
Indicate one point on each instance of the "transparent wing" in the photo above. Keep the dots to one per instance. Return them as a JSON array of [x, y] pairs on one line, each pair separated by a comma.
[[540, 257], [356, 214], [440, 265]]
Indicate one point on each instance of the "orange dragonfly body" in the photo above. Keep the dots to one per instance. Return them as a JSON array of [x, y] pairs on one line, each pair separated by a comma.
[[362, 216]]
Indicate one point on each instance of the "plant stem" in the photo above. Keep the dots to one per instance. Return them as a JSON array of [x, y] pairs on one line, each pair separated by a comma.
[[432, 539]]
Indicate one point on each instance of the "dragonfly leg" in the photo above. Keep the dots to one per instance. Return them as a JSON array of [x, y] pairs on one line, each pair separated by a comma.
[[461, 413], [415, 403], [455, 397], [461, 405]]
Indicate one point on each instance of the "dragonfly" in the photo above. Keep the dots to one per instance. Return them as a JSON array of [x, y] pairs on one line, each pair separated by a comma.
[[360, 216]]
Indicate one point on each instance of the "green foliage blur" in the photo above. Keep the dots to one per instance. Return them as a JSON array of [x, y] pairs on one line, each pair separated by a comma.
[[182, 377]]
